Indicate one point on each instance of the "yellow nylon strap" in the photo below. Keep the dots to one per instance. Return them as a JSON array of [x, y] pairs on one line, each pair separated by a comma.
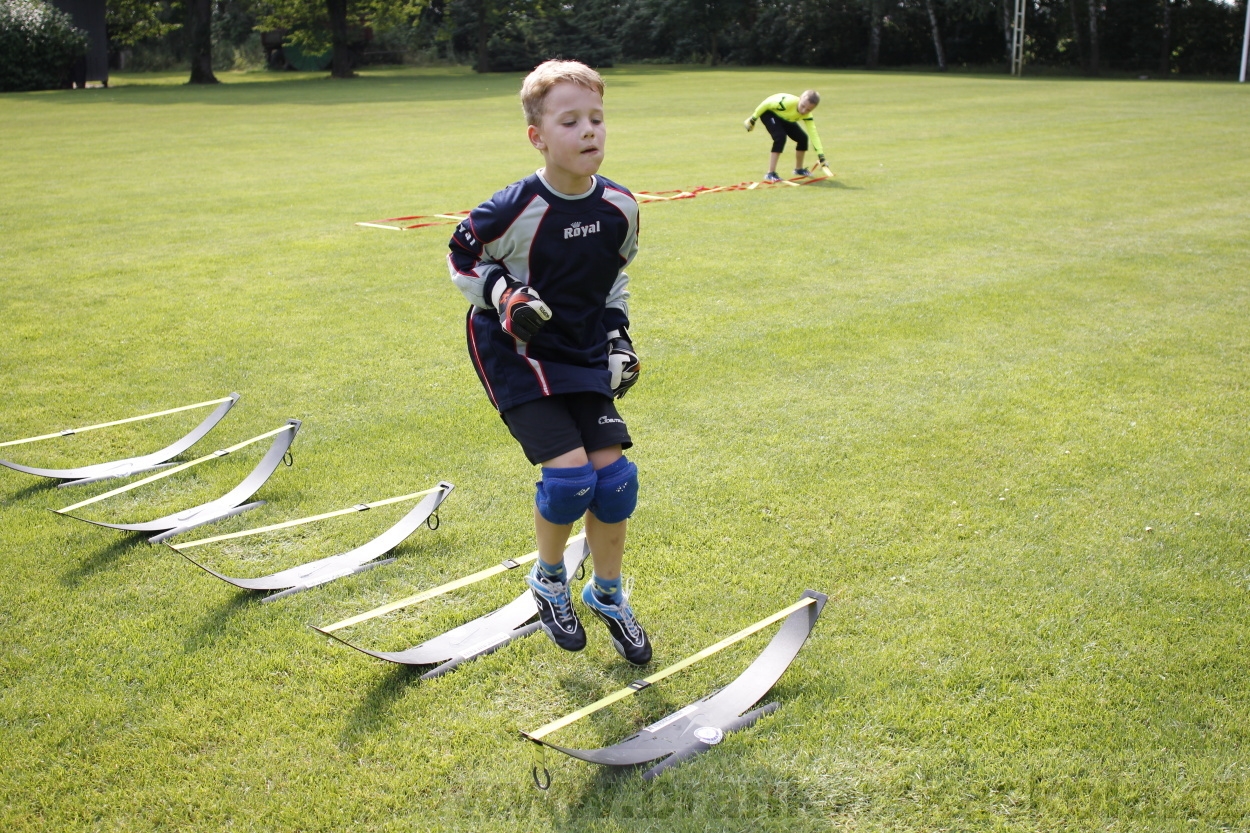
[[117, 422], [174, 470], [436, 591], [299, 521], [539, 734]]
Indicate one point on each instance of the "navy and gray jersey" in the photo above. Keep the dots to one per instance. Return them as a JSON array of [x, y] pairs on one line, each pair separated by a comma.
[[573, 252]]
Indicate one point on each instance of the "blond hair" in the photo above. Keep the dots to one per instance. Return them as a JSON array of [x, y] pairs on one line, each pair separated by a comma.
[[811, 97], [546, 75]]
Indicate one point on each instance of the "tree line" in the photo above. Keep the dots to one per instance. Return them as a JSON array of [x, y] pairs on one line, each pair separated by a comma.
[[1160, 38]]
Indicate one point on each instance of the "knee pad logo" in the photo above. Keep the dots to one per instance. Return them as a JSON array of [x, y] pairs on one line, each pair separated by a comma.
[[616, 495], [563, 495]]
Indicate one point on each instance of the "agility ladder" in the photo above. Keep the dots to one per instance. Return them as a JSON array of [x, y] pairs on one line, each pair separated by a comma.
[[69, 431], [452, 217]]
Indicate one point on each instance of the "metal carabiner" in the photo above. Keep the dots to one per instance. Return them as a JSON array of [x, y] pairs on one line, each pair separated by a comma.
[[537, 783]]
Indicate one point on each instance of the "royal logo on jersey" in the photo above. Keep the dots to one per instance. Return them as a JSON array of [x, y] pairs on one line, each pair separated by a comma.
[[578, 230]]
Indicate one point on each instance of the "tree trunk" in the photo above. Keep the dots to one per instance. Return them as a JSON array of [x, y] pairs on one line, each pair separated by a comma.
[[341, 63], [874, 34], [483, 37], [1008, 12], [200, 41], [1093, 37], [713, 57], [1078, 33], [1165, 51], [937, 36]]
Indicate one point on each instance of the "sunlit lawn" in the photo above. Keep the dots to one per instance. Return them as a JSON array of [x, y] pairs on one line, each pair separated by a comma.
[[986, 387]]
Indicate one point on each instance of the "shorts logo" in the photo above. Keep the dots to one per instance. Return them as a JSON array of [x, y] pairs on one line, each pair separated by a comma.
[[583, 491], [578, 230], [607, 420]]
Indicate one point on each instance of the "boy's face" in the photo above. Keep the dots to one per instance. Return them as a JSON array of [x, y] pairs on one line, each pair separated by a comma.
[[571, 136], [805, 107]]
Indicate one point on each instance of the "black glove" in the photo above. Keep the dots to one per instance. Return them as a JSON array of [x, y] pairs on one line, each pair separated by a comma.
[[522, 313], [623, 362]]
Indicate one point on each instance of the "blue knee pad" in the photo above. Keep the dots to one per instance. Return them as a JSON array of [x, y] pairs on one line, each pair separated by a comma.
[[616, 494], [565, 494]]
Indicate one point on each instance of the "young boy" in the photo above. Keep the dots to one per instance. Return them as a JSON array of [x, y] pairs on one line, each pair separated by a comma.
[[543, 263], [787, 115]]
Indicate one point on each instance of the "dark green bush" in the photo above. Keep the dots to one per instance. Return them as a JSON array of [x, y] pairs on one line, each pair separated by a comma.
[[38, 46]]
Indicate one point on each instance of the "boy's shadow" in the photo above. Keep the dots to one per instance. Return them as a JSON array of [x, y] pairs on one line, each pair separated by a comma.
[[834, 183], [102, 559]]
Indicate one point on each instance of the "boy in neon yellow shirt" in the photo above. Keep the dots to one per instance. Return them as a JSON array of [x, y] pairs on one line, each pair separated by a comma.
[[789, 115]]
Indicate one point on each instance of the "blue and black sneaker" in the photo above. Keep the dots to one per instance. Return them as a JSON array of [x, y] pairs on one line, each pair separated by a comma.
[[628, 637], [771, 176], [802, 172], [555, 611]]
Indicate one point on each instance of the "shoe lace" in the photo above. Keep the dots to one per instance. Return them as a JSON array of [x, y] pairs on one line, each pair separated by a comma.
[[627, 613], [557, 594]]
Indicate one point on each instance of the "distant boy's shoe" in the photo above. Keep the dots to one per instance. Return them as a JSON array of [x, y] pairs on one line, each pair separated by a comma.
[[555, 612], [802, 172], [628, 637], [771, 176]]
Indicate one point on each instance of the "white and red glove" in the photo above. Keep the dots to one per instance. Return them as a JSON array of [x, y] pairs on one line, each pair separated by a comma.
[[522, 313]]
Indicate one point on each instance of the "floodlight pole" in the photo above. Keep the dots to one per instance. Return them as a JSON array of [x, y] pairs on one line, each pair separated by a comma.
[[1245, 41], [1017, 39]]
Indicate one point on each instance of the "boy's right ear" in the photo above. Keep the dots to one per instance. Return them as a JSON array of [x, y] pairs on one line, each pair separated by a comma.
[[535, 137]]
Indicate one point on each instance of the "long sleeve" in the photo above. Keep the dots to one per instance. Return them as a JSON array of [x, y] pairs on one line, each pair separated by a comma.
[[479, 278]]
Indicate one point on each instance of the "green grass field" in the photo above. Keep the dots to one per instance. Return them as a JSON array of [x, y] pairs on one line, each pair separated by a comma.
[[986, 387]]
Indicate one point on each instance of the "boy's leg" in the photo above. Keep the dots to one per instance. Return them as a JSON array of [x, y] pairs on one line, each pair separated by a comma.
[[550, 438], [615, 498], [607, 541], [772, 162], [552, 537], [560, 495]]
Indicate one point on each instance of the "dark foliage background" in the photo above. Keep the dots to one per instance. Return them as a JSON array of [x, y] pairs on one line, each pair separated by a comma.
[[38, 46], [1155, 37]]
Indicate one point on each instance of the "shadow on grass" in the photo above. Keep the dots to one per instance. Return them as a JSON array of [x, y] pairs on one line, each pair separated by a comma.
[[373, 712], [102, 559], [833, 183], [214, 625], [710, 789], [30, 491], [301, 89]]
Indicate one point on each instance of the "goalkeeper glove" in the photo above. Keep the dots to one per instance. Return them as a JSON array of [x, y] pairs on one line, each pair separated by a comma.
[[522, 313], [749, 124], [623, 362]]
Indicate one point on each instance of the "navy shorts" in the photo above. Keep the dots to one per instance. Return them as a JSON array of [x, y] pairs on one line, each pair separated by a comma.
[[554, 425]]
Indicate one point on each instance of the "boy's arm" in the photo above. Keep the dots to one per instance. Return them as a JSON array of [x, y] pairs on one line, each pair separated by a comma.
[[616, 308], [773, 102], [480, 279], [809, 124], [487, 285]]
